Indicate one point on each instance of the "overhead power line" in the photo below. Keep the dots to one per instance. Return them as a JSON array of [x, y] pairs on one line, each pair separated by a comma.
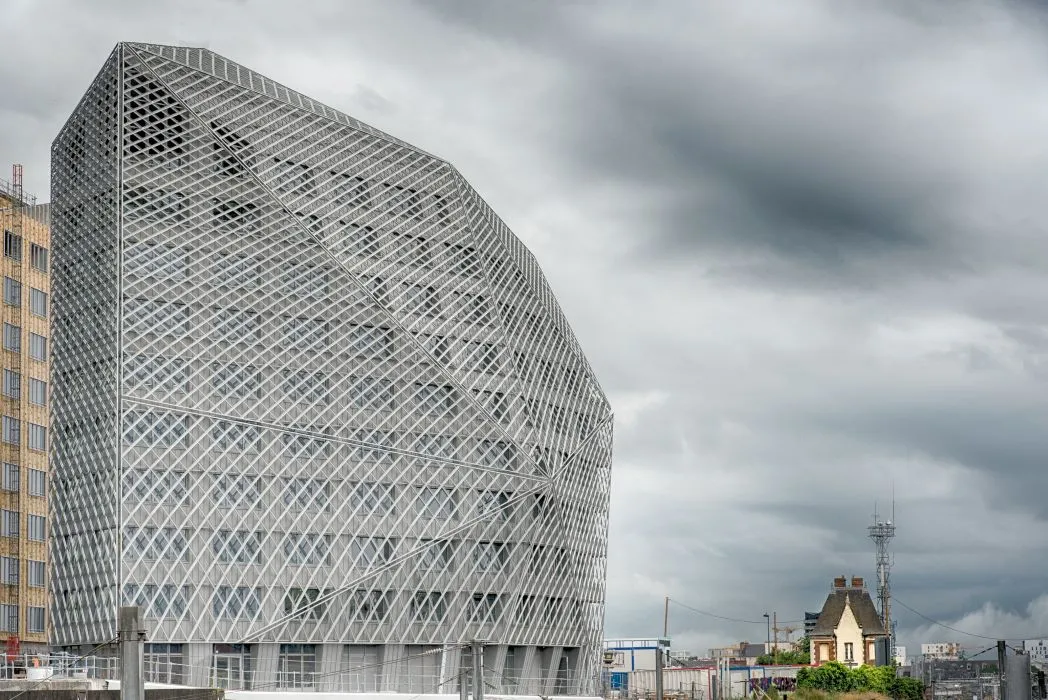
[[958, 631], [719, 617]]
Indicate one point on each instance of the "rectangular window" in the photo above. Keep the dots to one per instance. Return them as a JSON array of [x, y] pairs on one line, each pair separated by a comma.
[[38, 257], [12, 246], [37, 482], [9, 523], [37, 437], [37, 391], [12, 384], [34, 619], [435, 503], [370, 551], [302, 601], [296, 665], [156, 543], [12, 292], [38, 301], [495, 503], [237, 546], [37, 346], [235, 602], [156, 371], [9, 618], [36, 573], [849, 651], [12, 431], [436, 555], [307, 494], [491, 556], [10, 481], [12, 337], [37, 528], [368, 497], [428, 607], [236, 379], [9, 570], [309, 548], [237, 490], [303, 385]]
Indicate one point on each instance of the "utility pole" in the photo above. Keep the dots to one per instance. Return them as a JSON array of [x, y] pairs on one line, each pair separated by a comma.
[[132, 635], [666, 618], [767, 648], [478, 670], [1002, 659], [775, 626]]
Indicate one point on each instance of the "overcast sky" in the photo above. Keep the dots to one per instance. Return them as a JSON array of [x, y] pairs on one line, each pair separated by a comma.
[[803, 243]]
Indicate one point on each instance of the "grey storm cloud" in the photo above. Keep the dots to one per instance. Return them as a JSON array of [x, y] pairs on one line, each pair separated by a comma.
[[803, 244]]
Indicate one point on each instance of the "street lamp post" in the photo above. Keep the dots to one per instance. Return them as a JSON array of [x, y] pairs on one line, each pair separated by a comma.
[[767, 618]]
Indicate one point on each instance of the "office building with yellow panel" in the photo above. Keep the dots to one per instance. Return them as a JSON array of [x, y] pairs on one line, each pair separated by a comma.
[[24, 417]]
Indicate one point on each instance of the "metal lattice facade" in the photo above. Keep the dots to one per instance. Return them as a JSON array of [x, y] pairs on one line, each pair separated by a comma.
[[308, 388]]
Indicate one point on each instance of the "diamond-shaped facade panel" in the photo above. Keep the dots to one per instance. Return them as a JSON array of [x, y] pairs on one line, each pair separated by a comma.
[[314, 403]]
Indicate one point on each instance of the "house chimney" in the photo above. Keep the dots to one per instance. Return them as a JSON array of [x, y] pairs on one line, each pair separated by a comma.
[[840, 582], [857, 582]]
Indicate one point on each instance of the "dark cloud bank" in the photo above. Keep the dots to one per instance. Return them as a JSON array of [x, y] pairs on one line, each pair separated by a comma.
[[804, 244]]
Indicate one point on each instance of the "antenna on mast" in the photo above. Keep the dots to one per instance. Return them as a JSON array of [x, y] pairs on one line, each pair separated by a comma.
[[882, 533]]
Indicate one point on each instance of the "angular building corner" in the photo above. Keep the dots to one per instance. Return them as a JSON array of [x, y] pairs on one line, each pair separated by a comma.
[[316, 409]]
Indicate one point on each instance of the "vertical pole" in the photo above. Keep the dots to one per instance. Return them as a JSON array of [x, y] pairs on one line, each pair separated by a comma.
[[775, 626], [1001, 675], [658, 670], [767, 648], [132, 635], [464, 673], [478, 670], [666, 618]]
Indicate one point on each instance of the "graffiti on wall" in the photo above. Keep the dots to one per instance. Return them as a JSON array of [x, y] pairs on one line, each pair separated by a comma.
[[780, 683]]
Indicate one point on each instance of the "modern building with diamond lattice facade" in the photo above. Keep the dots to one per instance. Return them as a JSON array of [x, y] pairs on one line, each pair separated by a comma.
[[316, 409]]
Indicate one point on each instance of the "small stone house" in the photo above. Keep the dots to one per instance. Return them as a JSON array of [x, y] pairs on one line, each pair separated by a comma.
[[848, 626]]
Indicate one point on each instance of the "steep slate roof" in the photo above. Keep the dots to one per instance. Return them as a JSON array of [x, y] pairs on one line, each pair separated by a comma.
[[862, 606]]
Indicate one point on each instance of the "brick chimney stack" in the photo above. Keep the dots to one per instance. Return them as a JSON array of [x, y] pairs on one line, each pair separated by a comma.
[[857, 582], [840, 582]]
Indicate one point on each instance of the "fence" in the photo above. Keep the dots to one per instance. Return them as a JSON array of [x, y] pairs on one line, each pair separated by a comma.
[[220, 674], [698, 683]]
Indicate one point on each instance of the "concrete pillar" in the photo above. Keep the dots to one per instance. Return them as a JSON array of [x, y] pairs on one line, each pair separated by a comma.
[[264, 662], [530, 672], [392, 669], [131, 631], [196, 671], [449, 669], [549, 672], [329, 659], [494, 663]]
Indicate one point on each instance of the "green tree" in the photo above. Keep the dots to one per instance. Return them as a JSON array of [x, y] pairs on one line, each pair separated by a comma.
[[784, 657]]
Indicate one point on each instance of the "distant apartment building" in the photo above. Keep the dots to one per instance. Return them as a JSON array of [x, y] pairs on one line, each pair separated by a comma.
[[849, 626], [810, 620], [25, 420], [1037, 649], [900, 656], [943, 651]]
